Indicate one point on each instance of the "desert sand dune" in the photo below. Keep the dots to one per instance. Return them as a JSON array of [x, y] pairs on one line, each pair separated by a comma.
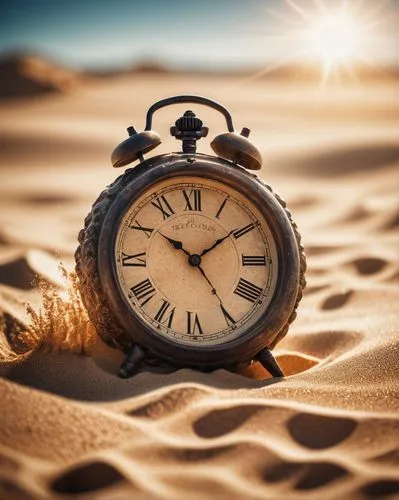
[[24, 76], [329, 430]]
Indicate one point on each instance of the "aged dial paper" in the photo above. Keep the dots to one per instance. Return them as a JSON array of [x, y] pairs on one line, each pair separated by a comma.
[[196, 261]]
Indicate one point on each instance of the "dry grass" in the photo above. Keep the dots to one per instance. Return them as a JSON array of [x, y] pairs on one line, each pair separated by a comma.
[[62, 323], [7, 354]]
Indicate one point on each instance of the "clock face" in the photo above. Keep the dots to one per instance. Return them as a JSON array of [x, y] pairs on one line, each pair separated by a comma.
[[196, 261]]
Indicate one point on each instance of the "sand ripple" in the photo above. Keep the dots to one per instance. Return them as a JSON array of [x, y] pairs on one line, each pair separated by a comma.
[[330, 430]]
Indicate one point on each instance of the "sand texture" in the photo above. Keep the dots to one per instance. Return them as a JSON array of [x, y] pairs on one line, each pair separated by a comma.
[[70, 428]]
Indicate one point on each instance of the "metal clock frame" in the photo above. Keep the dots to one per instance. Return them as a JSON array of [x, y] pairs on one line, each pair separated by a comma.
[[127, 328]]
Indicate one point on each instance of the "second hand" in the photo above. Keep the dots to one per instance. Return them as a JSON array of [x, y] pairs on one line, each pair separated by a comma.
[[207, 279]]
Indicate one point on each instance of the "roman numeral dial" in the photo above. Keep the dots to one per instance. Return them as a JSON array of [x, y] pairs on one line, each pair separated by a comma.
[[162, 204], [165, 314], [195, 260], [244, 230], [227, 316], [253, 260], [137, 259], [193, 324], [247, 290], [219, 212], [143, 291], [193, 199], [138, 227]]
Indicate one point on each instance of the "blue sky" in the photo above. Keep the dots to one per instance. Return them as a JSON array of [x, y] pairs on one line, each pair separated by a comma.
[[190, 33]]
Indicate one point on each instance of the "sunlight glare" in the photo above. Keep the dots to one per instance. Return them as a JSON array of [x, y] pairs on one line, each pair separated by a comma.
[[335, 37]]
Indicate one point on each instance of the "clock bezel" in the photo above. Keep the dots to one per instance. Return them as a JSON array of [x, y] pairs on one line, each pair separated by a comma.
[[267, 327]]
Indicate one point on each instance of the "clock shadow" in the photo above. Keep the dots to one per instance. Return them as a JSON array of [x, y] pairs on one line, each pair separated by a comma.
[[94, 379], [81, 378]]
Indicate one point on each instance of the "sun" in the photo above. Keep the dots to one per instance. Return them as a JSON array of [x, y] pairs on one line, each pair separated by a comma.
[[339, 36], [334, 37]]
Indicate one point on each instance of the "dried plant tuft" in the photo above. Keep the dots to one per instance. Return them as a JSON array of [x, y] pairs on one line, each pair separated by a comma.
[[62, 323]]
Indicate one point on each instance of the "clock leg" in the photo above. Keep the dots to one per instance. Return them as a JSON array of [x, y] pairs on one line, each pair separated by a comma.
[[132, 361], [269, 362]]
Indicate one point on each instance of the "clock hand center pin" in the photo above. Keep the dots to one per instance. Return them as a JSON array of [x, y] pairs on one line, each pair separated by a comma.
[[195, 259]]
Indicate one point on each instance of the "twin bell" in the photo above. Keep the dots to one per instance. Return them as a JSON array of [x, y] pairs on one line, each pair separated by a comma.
[[231, 146]]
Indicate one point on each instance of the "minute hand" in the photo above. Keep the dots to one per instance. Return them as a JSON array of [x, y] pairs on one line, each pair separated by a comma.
[[217, 242]]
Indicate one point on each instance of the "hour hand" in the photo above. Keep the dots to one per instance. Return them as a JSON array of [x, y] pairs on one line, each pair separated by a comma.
[[217, 242], [178, 245]]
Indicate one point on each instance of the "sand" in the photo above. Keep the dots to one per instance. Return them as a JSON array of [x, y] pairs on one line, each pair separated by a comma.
[[70, 428]]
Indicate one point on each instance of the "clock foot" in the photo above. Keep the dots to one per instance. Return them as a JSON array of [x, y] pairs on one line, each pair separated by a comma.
[[132, 361], [269, 362]]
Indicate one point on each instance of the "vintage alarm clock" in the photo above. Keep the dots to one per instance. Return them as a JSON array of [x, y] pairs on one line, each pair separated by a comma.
[[189, 259]]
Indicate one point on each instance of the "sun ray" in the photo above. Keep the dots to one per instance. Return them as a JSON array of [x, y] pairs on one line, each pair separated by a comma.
[[351, 72], [273, 67], [299, 10], [357, 6], [366, 61], [279, 16], [376, 22], [325, 75], [320, 6], [374, 11], [275, 33]]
